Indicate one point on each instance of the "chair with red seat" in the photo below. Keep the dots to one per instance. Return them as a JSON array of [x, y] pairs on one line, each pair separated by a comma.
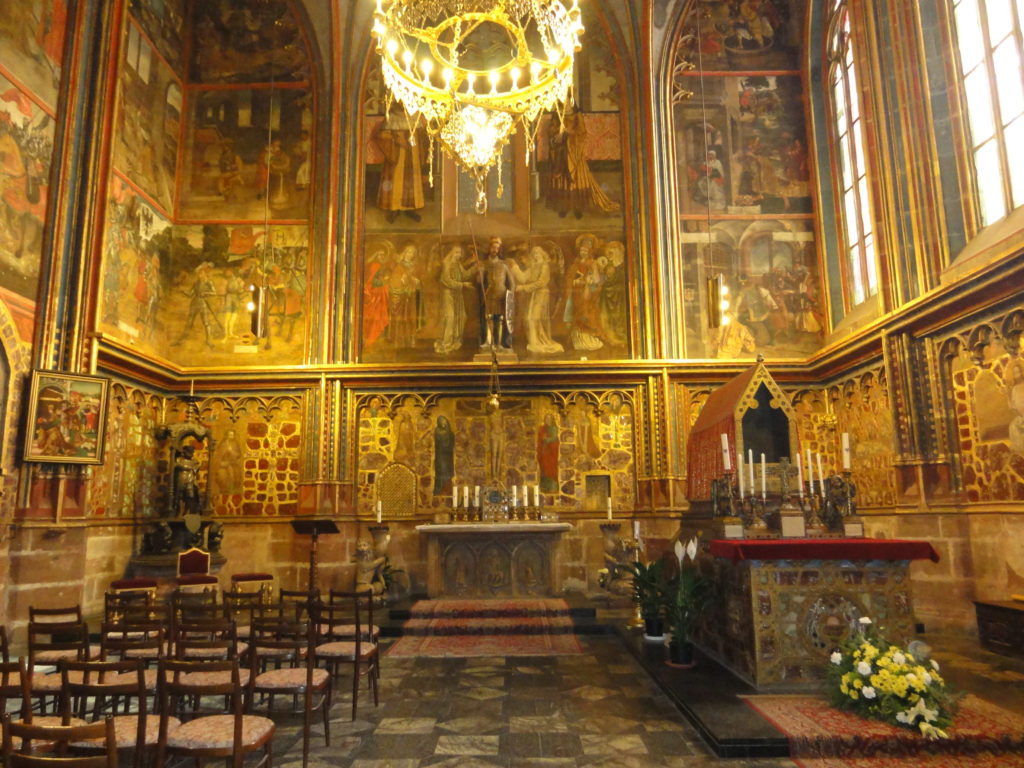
[[194, 571]]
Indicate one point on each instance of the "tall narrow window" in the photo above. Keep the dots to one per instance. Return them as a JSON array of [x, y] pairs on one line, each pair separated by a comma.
[[858, 244], [989, 44]]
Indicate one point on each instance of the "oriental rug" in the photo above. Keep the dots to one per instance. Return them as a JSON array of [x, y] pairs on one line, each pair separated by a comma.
[[821, 736], [468, 628]]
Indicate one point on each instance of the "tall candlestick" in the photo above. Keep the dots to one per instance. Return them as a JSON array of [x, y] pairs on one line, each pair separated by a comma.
[[378, 512], [799, 475], [609, 507], [750, 467], [726, 462], [821, 477], [739, 470], [764, 475], [846, 450], [810, 470]]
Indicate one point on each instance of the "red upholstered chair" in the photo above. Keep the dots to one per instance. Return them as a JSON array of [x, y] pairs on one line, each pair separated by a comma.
[[194, 571]]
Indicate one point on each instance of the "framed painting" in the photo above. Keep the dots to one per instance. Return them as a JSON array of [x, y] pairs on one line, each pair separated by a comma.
[[66, 417]]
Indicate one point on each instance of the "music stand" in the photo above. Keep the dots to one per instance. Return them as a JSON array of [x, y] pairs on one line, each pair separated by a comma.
[[313, 527]]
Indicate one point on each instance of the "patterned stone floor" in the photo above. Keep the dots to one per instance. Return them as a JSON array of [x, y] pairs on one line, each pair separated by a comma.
[[594, 709]]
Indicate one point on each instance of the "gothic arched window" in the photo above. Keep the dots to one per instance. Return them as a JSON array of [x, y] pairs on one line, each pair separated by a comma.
[[989, 45], [860, 275]]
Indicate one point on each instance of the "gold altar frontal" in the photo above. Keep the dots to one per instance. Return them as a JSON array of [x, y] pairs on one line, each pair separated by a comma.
[[784, 609], [491, 560]]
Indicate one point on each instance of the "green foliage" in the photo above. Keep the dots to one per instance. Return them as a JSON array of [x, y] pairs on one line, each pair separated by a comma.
[[881, 681], [685, 600], [649, 587], [388, 573]]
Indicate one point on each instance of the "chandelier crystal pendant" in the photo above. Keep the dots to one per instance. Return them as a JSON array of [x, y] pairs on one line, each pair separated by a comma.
[[472, 71]]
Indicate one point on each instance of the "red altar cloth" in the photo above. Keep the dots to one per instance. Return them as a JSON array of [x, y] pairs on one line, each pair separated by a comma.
[[823, 549]]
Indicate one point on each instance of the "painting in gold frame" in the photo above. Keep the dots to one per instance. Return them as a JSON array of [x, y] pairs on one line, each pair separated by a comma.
[[66, 417]]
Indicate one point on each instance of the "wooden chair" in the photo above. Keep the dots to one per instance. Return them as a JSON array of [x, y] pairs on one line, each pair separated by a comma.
[[214, 638], [283, 650], [92, 688], [49, 643], [144, 641], [362, 654], [194, 571], [261, 584], [294, 603], [57, 739], [14, 686], [345, 627], [228, 733], [242, 608]]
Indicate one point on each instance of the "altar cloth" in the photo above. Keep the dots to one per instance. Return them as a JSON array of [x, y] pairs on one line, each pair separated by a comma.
[[823, 549]]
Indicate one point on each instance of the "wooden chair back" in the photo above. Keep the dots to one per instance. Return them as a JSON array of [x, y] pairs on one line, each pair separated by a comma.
[[57, 738]]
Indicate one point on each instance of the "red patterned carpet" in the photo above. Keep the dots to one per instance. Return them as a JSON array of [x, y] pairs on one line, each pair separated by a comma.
[[465, 628], [822, 737]]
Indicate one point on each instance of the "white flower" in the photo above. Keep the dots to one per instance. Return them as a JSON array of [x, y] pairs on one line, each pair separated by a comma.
[[899, 658], [864, 668], [928, 715], [864, 621], [927, 679], [680, 552], [691, 548], [901, 717], [935, 665], [867, 692], [931, 732], [836, 658]]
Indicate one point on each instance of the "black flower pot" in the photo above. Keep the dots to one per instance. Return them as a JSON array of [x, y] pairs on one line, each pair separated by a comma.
[[654, 627], [681, 653]]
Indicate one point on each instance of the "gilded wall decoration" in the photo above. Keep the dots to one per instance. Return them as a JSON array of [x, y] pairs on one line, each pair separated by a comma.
[[740, 143], [26, 149], [423, 298], [863, 413], [244, 42], [180, 292], [149, 119], [556, 445], [560, 218], [248, 154], [32, 38], [126, 485], [162, 21]]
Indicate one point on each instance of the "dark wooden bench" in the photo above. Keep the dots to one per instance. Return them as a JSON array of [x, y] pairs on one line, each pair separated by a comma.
[[1001, 626]]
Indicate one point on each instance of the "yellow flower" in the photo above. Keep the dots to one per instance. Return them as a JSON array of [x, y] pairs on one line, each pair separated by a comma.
[[858, 683]]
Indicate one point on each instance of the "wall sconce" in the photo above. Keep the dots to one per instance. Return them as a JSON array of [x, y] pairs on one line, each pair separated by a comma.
[[718, 302]]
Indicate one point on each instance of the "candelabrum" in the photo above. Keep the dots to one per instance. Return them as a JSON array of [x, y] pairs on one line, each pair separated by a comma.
[[810, 503]]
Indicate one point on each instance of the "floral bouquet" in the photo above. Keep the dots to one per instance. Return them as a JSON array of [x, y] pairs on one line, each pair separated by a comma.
[[877, 680]]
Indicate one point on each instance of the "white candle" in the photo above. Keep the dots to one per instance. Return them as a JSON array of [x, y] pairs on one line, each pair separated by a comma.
[[609, 507], [515, 497], [636, 530], [726, 463], [799, 475], [526, 496], [810, 470], [476, 495], [536, 495], [191, 387], [750, 466], [739, 470], [378, 512], [846, 450], [465, 496], [455, 497], [764, 475], [821, 477]]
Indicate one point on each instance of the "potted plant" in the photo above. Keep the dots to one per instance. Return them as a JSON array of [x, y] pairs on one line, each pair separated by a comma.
[[685, 600], [648, 594]]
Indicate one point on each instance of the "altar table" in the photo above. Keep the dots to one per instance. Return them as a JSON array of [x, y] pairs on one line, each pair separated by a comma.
[[491, 560], [784, 605]]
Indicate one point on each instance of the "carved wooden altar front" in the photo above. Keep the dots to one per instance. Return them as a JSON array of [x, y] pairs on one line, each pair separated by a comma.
[[483, 560]]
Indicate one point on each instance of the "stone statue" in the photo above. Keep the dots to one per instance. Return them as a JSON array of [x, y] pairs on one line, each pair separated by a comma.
[[369, 569], [214, 536], [839, 501], [186, 482], [158, 540]]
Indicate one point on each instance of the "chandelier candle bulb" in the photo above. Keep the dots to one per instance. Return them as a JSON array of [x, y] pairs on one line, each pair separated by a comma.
[[726, 462], [846, 451]]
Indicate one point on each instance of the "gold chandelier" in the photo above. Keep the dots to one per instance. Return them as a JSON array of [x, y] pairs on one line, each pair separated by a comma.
[[472, 71]]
